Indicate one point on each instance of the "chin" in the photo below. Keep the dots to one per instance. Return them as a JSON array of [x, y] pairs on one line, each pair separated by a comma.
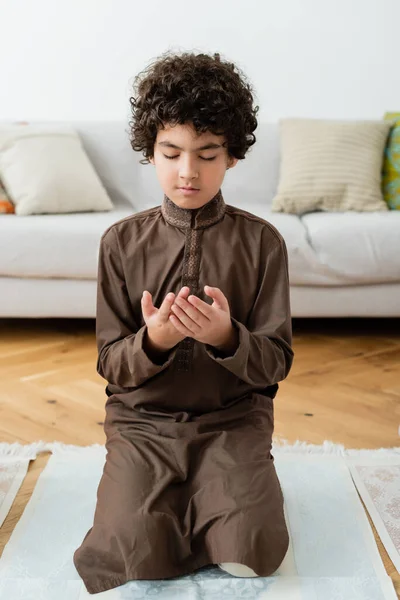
[[191, 203], [187, 199]]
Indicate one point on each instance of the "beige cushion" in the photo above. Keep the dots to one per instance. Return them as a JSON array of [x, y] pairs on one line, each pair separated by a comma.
[[330, 165], [46, 170]]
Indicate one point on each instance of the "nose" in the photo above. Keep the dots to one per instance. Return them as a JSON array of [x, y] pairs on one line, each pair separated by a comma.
[[187, 168]]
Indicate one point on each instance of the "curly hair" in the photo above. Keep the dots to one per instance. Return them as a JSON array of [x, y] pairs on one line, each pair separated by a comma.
[[192, 88]]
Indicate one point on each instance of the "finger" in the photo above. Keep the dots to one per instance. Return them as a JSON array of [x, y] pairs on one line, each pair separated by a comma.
[[165, 307], [183, 293], [179, 326], [147, 303], [196, 315], [201, 306], [185, 319], [218, 296]]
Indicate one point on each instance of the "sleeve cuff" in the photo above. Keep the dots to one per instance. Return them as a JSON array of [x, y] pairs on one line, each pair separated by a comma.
[[145, 361], [241, 351]]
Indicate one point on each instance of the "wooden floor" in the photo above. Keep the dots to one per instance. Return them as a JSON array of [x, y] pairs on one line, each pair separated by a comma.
[[344, 386]]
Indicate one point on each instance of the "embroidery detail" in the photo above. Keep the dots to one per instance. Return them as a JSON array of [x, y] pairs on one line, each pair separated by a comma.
[[194, 221], [200, 218]]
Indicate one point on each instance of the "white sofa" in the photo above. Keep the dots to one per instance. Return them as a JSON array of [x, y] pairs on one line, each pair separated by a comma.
[[341, 264]]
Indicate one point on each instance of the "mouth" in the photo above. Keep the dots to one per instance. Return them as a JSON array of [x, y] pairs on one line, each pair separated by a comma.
[[188, 191]]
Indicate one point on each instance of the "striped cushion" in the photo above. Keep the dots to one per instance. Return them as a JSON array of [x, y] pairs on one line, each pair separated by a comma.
[[331, 165]]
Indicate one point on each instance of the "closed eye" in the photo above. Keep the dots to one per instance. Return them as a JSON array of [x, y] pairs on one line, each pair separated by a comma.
[[172, 157]]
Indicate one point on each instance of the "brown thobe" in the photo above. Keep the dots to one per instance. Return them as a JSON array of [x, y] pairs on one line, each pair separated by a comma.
[[189, 478]]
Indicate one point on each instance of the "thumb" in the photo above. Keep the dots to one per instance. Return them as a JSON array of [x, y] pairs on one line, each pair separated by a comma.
[[147, 304], [218, 297]]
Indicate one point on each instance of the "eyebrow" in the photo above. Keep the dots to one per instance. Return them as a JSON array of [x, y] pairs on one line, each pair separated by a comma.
[[206, 147]]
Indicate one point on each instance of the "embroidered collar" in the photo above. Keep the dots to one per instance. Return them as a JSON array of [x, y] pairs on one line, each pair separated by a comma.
[[194, 218]]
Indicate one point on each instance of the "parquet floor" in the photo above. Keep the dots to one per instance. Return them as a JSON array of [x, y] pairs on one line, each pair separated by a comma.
[[344, 386]]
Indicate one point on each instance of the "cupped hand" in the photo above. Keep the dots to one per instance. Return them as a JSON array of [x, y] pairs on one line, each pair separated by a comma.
[[210, 324], [161, 329]]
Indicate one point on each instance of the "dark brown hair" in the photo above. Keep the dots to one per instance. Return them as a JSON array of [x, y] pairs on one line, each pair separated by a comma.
[[193, 88]]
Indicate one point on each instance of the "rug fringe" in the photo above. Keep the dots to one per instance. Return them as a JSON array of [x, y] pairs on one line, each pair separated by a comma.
[[327, 447], [18, 450], [59, 448]]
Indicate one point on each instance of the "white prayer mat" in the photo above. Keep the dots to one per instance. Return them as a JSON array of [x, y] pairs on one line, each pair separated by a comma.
[[377, 477], [332, 555]]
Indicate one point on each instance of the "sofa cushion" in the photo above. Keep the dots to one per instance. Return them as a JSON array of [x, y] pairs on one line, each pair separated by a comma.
[[46, 170], [304, 266], [54, 246], [331, 166], [356, 248], [391, 164]]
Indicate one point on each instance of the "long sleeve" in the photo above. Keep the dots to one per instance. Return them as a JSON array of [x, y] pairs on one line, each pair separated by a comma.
[[121, 359], [264, 354]]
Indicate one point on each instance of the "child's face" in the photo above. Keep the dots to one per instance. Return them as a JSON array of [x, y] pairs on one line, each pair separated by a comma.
[[189, 166]]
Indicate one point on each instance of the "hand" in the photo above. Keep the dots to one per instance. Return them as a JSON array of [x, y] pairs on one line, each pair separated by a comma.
[[210, 324], [161, 331]]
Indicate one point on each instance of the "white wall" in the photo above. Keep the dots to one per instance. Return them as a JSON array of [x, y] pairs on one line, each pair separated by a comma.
[[77, 60]]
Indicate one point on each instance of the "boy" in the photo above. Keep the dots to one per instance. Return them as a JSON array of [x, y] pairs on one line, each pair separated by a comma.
[[189, 478]]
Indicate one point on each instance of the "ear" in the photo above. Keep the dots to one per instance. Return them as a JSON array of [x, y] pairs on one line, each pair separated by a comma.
[[232, 161], [151, 159]]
